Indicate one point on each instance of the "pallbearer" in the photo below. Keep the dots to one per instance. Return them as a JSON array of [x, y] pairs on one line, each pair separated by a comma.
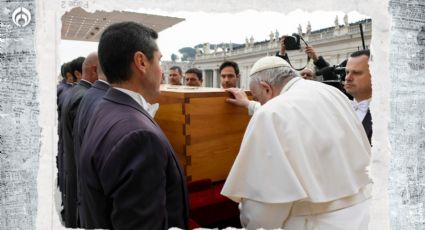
[[130, 177]]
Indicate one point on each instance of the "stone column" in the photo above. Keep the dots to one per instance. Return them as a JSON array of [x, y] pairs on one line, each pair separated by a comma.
[[215, 79], [204, 76]]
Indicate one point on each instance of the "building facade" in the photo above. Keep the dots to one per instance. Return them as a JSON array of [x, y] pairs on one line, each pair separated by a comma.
[[335, 44]]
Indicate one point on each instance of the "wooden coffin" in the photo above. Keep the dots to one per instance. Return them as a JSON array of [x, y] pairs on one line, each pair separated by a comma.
[[204, 130]]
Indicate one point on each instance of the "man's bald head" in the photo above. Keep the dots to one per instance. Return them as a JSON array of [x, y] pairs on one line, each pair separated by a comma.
[[90, 67], [307, 73]]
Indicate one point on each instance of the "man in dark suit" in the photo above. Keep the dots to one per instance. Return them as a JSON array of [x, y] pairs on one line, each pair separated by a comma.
[[76, 67], [85, 111], [71, 72], [129, 175], [86, 108], [64, 85], [358, 84], [66, 82], [69, 110]]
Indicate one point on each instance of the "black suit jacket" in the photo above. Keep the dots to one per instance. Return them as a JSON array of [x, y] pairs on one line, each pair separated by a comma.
[[69, 193], [367, 125], [129, 175], [85, 111], [61, 92]]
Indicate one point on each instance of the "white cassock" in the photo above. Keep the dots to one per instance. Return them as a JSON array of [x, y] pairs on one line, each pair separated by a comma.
[[302, 162]]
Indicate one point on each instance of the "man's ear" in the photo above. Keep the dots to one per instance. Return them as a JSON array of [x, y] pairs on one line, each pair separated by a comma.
[[266, 86], [77, 74], [238, 76], [140, 61], [94, 69]]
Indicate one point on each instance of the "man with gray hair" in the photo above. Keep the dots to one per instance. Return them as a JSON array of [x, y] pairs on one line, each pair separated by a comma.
[[307, 73], [302, 162]]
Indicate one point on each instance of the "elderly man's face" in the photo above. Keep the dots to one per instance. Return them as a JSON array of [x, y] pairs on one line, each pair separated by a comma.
[[358, 79], [261, 92], [307, 74]]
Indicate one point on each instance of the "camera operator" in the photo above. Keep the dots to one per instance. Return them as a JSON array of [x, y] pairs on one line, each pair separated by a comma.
[[282, 51], [358, 84], [320, 63], [328, 72]]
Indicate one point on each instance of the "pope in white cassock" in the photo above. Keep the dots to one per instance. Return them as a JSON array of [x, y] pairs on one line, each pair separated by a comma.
[[302, 162]]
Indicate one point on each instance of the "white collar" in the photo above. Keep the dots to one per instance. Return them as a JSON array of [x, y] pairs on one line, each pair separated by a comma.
[[367, 101], [361, 108], [151, 109], [362, 105]]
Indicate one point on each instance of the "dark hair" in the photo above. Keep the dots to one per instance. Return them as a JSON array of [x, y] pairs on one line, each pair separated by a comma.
[[117, 46], [65, 68], [77, 65], [360, 53], [177, 68], [231, 64], [99, 68], [195, 71]]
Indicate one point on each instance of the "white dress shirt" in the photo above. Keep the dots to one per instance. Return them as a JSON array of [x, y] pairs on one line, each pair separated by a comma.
[[361, 108], [151, 109]]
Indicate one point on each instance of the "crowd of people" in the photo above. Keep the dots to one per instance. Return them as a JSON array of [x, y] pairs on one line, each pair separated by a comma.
[[301, 165]]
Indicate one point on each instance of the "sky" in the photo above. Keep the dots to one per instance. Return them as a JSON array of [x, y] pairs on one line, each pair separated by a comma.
[[202, 27]]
